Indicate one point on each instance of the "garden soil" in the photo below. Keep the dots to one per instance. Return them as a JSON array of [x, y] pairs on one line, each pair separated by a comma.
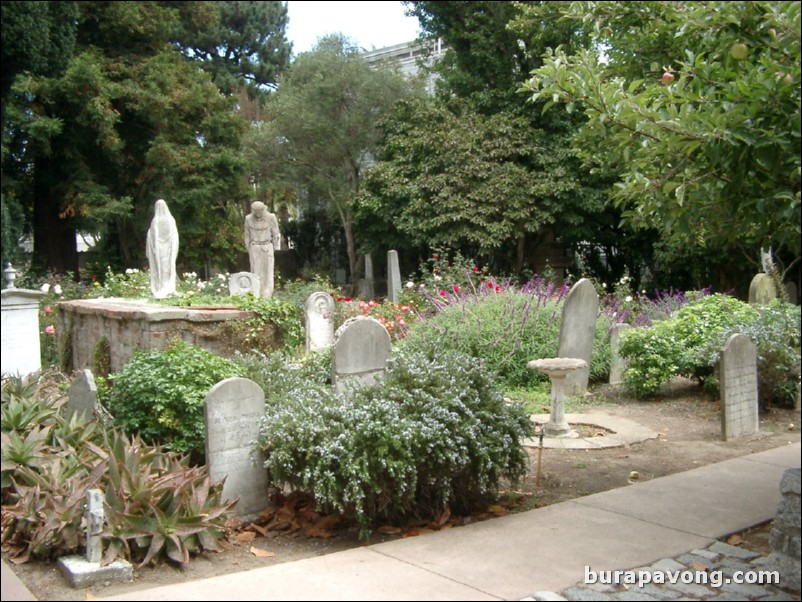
[[689, 428]]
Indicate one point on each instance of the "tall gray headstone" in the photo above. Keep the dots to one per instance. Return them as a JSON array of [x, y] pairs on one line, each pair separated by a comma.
[[233, 410], [617, 363], [242, 283], [319, 321], [368, 290], [359, 356], [82, 397], [762, 290], [738, 375], [21, 353], [393, 277], [577, 331]]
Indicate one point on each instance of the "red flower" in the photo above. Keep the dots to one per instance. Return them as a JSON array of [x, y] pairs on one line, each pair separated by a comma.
[[331, 294], [339, 298], [442, 293], [455, 288], [475, 269], [435, 257], [348, 299], [490, 285], [498, 289]]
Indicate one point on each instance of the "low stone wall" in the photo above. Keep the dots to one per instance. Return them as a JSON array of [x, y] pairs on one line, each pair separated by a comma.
[[129, 326], [785, 535]]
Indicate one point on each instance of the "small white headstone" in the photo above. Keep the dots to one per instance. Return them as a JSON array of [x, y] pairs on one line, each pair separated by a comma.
[[393, 277], [233, 410], [577, 332], [360, 352], [242, 283], [82, 398], [762, 290], [319, 314], [617, 363], [739, 397]]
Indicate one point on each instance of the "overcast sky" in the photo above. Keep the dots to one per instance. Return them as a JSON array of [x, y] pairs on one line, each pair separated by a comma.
[[370, 24]]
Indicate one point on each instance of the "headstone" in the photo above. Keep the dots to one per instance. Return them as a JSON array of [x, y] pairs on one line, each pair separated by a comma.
[[262, 240], [93, 515], [738, 375], [360, 352], [233, 410], [82, 398], [393, 277], [577, 332], [617, 363], [162, 251], [319, 320], [762, 290], [243, 283], [368, 290], [21, 352]]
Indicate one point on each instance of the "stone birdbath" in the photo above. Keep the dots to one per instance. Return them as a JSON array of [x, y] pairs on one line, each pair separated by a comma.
[[557, 368]]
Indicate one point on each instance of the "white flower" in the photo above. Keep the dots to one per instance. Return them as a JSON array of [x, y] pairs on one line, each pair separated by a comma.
[[604, 285], [57, 289], [410, 284], [436, 277], [45, 287], [628, 299], [129, 271]]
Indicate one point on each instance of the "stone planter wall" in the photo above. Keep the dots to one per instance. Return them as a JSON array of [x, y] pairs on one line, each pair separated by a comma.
[[130, 326]]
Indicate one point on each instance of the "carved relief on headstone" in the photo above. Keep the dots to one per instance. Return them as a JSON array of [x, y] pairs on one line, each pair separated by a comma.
[[242, 283]]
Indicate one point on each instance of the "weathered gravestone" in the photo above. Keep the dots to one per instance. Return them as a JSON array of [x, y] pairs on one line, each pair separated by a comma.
[[21, 352], [738, 376], [233, 409], [360, 352], [393, 277], [82, 397], [243, 283], [577, 331], [762, 290], [319, 321], [368, 289], [617, 363]]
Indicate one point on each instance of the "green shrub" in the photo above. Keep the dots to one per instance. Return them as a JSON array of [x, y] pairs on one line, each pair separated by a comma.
[[506, 327], [159, 394], [435, 432], [680, 345], [281, 314], [280, 372]]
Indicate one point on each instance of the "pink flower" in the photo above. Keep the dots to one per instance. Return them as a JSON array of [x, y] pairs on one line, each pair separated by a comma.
[[442, 293], [498, 288], [490, 285], [475, 269], [455, 288], [48, 310], [50, 330]]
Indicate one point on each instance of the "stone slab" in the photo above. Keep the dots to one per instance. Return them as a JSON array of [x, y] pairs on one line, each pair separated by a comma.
[[624, 432], [82, 573]]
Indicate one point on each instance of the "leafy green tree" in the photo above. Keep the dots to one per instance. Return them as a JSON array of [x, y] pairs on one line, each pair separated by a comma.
[[324, 127], [696, 107], [242, 43], [469, 181], [129, 121]]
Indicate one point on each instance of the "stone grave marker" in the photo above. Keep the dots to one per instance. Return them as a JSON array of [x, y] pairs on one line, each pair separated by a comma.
[[82, 398], [577, 331], [242, 283], [762, 290], [21, 352], [233, 410], [368, 289], [360, 352], [319, 321], [393, 277], [617, 363], [738, 375]]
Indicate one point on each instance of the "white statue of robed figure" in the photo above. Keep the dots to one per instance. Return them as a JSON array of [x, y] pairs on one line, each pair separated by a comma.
[[162, 251], [262, 239]]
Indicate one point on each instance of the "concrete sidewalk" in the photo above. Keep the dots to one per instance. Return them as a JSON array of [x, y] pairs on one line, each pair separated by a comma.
[[508, 558]]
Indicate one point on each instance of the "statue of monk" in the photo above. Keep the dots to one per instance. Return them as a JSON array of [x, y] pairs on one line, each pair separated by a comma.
[[262, 238]]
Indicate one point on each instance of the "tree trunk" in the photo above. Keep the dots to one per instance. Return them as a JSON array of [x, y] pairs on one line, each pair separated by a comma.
[[54, 245], [348, 227]]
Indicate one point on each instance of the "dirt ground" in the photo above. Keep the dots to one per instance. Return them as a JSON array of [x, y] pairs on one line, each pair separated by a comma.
[[689, 430]]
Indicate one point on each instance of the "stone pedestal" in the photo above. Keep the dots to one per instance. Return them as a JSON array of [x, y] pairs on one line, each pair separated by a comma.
[[557, 369], [21, 352]]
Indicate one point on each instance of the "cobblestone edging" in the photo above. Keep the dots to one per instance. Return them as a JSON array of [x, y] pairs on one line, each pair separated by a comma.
[[718, 556]]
